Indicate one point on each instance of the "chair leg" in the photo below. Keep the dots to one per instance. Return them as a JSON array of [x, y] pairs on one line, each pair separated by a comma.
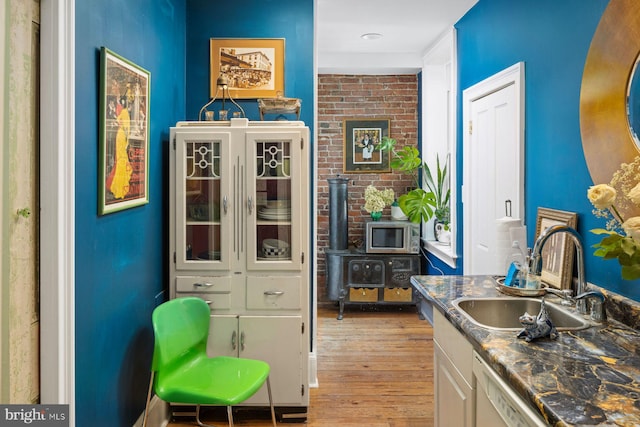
[[273, 412], [230, 416], [200, 423], [146, 406]]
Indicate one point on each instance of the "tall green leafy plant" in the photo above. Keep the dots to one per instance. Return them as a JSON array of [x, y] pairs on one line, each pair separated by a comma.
[[440, 189], [420, 204]]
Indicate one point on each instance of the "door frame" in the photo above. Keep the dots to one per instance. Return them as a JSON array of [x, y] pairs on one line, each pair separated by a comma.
[[514, 75], [57, 204]]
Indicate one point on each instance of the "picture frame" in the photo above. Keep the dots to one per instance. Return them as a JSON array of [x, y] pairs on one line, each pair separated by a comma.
[[254, 67], [361, 138], [124, 134], [557, 253]]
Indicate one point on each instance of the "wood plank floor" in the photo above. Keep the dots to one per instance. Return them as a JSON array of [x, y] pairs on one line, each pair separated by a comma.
[[375, 369]]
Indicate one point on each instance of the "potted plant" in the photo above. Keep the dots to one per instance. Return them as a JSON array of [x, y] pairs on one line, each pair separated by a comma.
[[421, 204], [440, 188]]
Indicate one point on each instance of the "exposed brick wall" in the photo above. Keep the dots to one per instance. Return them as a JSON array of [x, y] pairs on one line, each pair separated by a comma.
[[359, 96]]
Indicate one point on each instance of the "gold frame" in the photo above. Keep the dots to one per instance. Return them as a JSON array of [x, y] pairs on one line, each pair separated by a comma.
[[557, 254], [272, 49], [606, 139]]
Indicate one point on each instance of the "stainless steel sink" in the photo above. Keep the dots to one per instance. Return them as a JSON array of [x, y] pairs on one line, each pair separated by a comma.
[[503, 313]]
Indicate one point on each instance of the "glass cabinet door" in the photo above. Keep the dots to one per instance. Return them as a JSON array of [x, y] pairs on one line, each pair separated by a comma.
[[203, 208], [273, 219]]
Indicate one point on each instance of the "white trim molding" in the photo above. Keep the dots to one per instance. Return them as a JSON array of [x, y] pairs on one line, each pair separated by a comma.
[[57, 204], [439, 132]]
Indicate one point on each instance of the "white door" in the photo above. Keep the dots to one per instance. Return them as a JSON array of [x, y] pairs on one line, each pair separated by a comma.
[[493, 164]]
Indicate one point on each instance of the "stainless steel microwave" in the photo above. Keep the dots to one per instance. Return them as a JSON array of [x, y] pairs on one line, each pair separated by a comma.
[[392, 237]]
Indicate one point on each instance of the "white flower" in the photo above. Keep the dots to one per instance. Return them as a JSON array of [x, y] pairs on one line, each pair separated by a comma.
[[376, 200], [602, 196], [634, 195], [631, 227]]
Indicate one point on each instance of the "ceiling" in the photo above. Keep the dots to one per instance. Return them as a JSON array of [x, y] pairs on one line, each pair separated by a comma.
[[409, 29]]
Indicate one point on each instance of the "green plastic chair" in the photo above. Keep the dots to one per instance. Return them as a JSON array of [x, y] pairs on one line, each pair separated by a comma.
[[181, 371]]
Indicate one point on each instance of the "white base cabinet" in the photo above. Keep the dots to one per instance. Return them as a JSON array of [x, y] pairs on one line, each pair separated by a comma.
[[275, 339], [468, 392], [239, 239], [453, 376]]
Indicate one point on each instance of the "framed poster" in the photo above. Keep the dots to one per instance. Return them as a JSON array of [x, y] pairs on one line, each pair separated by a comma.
[[124, 134], [254, 67], [360, 149], [557, 253]]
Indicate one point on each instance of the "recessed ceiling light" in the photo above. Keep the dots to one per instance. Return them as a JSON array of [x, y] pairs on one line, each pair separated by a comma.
[[371, 36]]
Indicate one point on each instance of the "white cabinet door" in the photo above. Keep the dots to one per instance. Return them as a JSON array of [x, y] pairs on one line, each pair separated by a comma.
[[278, 340], [203, 209], [453, 396], [223, 336], [453, 375], [276, 213]]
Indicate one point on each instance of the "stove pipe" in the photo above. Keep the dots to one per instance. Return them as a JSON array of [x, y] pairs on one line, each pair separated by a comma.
[[338, 214]]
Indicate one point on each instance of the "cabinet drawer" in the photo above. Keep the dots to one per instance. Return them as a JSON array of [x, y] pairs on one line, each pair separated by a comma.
[[203, 284], [363, 294], [273, 293], [216, 301], [398, 294]]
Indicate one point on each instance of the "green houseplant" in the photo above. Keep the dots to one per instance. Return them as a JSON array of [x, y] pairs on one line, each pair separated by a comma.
[[420, 204], [440, 189]]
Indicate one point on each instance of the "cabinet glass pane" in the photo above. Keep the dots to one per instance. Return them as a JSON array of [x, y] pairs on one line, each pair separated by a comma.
[[202, 200], [273, 200]]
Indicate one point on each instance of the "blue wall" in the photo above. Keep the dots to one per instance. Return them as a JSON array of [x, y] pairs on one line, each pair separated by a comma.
[[552, 38], [120, 257], [288, 19]]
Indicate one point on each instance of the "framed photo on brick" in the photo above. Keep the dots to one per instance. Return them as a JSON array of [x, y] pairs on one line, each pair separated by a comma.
[[360, 148]]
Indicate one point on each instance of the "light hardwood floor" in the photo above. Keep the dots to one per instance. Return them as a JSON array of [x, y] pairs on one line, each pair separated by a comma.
[[375, 369]]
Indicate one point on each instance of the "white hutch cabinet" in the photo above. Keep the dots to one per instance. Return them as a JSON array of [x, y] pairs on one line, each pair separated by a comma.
[[239, 239]]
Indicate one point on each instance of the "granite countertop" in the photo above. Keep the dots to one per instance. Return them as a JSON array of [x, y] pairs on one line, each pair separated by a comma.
[[586, 377]]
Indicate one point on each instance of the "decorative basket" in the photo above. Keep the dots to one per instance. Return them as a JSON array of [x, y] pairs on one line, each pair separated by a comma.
[[275, 248], [520, 292]]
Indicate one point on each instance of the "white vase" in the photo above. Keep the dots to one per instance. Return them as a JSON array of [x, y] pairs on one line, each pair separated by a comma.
[[442, 235], [397, 214]]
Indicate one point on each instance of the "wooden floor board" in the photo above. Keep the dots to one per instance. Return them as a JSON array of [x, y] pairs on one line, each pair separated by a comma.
[[375, 369]]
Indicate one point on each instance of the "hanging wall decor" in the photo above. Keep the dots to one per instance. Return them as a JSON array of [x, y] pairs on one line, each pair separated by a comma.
[[361, 151], [557, 254], [124, 134], [254, 67]]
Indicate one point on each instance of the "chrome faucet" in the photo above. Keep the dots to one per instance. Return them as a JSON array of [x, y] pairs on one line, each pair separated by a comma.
[[535, 262], [598, 312]]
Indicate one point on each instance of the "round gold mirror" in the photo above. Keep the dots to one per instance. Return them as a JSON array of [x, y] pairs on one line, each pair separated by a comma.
[[633, 103], [607, 125]]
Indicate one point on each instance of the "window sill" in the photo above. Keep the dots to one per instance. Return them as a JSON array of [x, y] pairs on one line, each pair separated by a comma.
[[443, 252]]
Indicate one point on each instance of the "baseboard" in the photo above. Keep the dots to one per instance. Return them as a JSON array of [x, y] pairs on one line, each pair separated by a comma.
[[159, 414], [313, 370]]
